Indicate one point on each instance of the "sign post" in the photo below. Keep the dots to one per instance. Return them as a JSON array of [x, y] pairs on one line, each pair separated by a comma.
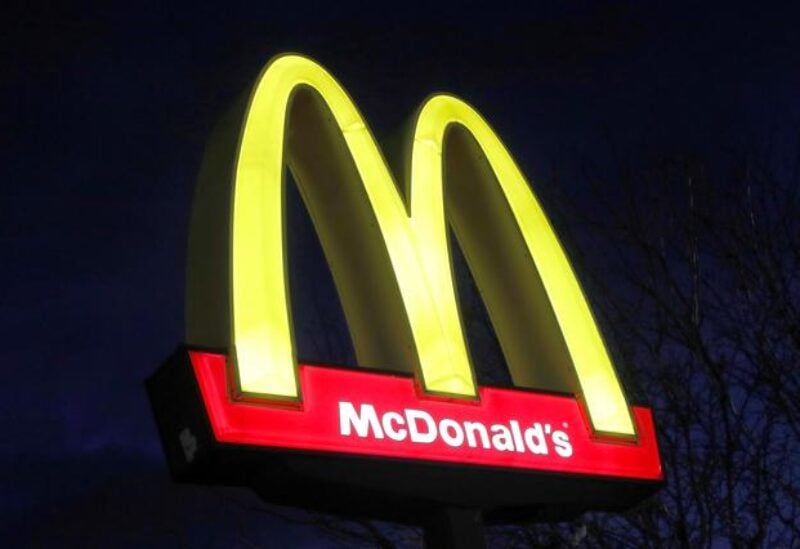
[[410, 435], [453, 528]]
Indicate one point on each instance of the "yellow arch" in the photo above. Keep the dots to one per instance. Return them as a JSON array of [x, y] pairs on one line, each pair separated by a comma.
[[536, 240], [261, 326], [294, 92]]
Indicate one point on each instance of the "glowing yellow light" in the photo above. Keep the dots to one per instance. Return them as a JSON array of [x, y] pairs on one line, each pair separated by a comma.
[[414, 245], [599, 385], [261, 324]]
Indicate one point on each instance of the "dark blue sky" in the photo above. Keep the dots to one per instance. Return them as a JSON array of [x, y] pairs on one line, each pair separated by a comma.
[[104, 113]]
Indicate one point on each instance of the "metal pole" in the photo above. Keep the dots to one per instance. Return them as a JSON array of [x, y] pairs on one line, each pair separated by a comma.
[[455, 528]]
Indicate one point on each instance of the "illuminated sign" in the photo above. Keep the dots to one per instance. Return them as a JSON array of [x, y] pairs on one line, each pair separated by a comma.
[[386, 242], [362, 412]]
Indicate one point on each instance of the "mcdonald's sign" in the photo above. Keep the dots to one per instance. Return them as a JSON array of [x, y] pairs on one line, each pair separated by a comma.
[[410, 425]]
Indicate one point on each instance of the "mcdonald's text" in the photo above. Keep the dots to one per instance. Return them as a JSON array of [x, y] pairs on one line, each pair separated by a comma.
[[420, 427]]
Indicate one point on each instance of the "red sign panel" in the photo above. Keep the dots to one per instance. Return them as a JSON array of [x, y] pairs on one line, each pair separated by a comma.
[[383, 415]]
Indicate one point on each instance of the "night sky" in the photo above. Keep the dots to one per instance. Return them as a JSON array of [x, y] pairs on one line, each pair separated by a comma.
[[104, 115]]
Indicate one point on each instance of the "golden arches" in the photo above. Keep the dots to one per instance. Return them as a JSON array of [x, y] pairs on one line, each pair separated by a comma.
[[391, 267]]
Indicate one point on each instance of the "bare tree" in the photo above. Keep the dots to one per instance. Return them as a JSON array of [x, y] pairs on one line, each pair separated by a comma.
[[696, 274]]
